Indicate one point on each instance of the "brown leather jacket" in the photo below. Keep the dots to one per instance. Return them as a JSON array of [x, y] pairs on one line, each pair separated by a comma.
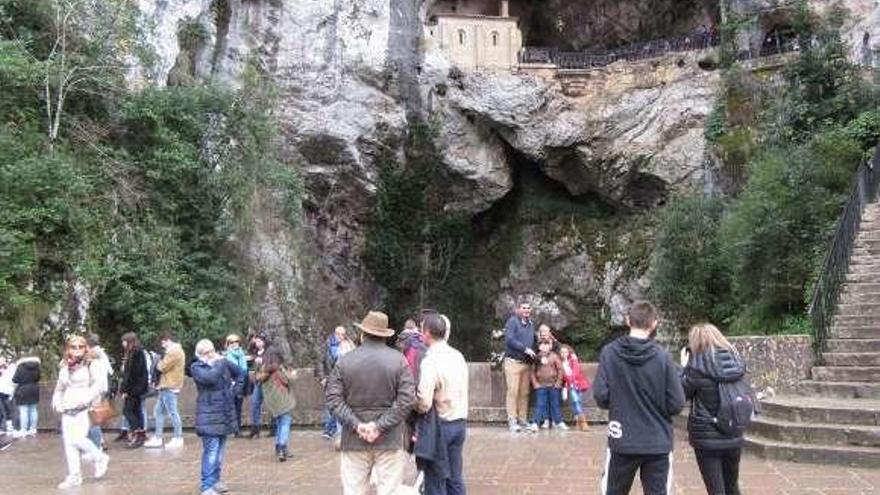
[[371, 383]]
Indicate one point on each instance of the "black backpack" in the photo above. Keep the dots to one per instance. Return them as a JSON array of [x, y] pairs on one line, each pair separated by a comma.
[[736, 407]]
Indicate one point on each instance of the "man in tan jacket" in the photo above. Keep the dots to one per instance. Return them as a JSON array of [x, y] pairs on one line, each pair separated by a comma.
[[170, 382]]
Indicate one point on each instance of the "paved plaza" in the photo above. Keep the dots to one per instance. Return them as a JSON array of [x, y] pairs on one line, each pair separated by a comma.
[[496, 463]]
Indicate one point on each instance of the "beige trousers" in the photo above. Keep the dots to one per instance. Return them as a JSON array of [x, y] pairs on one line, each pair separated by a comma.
[[517, 375], [356, 467]]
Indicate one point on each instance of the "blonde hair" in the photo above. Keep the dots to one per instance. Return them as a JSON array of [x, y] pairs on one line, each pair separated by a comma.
[[204, 347], [78, 339], [706, 337]]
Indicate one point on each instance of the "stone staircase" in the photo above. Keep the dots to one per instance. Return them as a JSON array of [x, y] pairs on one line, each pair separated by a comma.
[[835, 419]]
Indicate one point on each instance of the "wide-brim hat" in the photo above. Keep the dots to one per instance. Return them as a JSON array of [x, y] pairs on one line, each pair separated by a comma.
[[376, 323]]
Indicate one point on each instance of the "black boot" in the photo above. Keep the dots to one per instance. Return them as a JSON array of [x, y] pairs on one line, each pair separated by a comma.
[[255, 431], [281, 452], [122, 437]]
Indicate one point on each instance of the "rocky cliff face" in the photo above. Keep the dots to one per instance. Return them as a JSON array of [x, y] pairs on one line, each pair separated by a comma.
[[608, 148]]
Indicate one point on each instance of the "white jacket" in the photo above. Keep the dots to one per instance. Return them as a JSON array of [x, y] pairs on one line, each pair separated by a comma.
[[6, 385], [78, 390]]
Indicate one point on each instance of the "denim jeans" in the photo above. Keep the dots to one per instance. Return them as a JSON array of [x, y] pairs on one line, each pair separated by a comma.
[[96, 435], [331, 426], [454, 434], [574, 399], [166, 403], [123, 421], [282, 429], [257, 405], [27, 417], [547, 402], [213, 449]]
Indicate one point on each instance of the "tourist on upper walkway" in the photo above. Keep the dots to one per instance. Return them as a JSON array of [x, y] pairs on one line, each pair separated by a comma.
[[101, 364], [171, 368], [236, 355], [338, 344], [217, 381], [274, 379], [257, 354], [710, 359], [574, 383], [641, 388], [519, 343], [27, 395], [443, 390], [371, 391], [7, 390], [81, 383], [547, 376], [134, 387]]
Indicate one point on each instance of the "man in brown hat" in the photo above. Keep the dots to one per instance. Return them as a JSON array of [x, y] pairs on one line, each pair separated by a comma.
[[371, 391]]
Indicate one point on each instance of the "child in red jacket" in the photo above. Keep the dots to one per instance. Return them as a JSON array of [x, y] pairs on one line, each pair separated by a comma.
[[574, 382]]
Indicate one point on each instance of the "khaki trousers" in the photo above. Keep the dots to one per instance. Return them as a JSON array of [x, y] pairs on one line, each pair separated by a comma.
[[357, 465], [517, 375]]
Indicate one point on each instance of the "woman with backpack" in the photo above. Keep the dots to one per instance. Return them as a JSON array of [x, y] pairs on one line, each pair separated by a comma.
[[134, 387], [711, 364]]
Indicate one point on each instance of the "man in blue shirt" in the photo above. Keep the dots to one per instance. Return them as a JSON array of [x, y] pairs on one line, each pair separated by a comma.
[[519, 343]]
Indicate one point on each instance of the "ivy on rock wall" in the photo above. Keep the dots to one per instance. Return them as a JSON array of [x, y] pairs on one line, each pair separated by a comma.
[[792, 144], [140, 197]]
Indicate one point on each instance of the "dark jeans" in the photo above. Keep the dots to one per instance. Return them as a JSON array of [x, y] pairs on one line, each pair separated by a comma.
[[454, 433], [720, 470], [620, 470], [547, 405], [5, 411], [133, 411], [239, 400]]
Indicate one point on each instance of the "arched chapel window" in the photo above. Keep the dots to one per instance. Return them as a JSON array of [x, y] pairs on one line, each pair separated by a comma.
[[494, 38], [462, 36]]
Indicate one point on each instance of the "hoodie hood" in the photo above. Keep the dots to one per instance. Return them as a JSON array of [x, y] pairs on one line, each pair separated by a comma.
[[32, 361], [720, 365], [635, 351]]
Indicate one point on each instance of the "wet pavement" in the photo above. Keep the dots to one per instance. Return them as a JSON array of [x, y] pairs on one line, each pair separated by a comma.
[[496, 463]]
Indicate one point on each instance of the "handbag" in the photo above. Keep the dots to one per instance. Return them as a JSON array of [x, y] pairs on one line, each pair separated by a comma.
[[103, 412]]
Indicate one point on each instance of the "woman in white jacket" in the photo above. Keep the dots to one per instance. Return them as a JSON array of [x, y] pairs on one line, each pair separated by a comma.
[[80, 383]]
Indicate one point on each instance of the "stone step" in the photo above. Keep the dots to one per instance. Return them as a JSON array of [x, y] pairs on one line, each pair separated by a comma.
[[851, 331], [823, 410], [852, 358], [841, 390], [857, 320], [859, 309], [816, 433], [846, 373], [870, 277], [862, 457], [853, 345]]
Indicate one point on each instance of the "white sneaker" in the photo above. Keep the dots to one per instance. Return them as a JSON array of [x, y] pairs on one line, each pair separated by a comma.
[[70, 482], [153, 443], [546, 424], [513, 426], [101, 466], [32, 433], [533, 427], [19, 434], [175, 443], [561, 426]]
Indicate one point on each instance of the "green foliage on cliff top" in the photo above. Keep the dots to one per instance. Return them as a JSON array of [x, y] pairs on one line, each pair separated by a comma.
[[795, 145], [138, 198]]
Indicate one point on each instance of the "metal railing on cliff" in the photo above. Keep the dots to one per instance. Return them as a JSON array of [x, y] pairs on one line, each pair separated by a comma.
[[592, 59], [826, 293]]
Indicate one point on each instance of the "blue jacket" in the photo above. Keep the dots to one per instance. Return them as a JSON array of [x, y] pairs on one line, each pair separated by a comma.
[[215, 405], [518, 338]]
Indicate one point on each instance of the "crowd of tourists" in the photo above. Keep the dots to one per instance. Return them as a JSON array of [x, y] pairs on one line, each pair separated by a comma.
[[398, 409]]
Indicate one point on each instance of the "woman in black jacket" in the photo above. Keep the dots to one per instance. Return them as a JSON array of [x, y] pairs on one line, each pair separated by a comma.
[[134, 387], [27, 395], [709, 360]]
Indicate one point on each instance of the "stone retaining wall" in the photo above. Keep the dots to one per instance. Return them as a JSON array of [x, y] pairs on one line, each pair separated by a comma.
[[774, 361]]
